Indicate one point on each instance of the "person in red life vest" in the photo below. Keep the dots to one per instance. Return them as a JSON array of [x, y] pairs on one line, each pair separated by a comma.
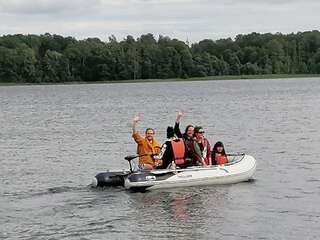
[[219, 155], [147, 146], [200, 149], [173, 152]]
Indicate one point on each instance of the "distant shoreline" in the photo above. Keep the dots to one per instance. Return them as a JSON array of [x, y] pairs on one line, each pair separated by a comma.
[[208, 78]]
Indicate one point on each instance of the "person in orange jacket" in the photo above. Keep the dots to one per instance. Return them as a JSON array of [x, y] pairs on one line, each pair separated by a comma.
[[147, 146]]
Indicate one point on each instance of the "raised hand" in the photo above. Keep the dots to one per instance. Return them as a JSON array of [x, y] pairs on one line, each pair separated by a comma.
[[136, 118], [180, 114]]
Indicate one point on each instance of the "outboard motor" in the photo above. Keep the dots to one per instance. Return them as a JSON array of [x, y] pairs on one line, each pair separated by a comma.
[[116, 178], [109, 179]]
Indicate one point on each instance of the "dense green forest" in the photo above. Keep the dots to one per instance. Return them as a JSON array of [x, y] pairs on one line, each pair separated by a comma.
[[53, 58]]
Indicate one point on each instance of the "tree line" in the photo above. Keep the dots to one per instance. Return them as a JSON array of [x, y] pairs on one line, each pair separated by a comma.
[[54, 58]]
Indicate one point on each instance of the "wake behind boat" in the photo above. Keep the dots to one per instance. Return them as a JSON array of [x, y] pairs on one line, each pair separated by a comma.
[[240, 167]]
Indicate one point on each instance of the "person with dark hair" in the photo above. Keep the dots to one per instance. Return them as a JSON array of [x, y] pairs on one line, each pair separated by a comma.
[[173, 151], [147, 146], [219, 155], [188, 133], [200, 149], [187, 136]]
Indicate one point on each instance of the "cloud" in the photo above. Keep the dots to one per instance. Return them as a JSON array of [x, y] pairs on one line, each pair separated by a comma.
[[45, 6], [181, 19]]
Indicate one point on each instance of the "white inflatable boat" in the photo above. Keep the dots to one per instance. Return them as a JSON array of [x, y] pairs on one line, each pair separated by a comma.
[[240, 167]]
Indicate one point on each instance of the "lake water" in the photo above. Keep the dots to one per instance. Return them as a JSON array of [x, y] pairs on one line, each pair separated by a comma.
[[54, 139]]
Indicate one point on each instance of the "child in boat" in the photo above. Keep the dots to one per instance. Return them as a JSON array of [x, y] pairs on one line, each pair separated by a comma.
[[219, 155]]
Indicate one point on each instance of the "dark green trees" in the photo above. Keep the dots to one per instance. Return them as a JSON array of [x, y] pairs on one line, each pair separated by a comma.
[[53, 58]]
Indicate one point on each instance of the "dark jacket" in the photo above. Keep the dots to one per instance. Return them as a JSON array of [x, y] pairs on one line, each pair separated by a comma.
[[188, 142], [199, 152], [167, 154]]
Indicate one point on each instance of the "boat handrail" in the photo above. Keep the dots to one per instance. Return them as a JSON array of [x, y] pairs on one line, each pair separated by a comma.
[[198, 168], [234, 161]]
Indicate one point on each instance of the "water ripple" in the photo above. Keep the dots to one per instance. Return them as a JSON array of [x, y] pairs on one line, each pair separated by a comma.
[[54, 139]]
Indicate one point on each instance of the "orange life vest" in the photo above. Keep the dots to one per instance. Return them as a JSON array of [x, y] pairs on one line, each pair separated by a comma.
[[179, 150], [221, 160]]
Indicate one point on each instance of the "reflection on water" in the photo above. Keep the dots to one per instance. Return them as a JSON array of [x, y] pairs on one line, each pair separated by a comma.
[[179, 205], [54, 139]]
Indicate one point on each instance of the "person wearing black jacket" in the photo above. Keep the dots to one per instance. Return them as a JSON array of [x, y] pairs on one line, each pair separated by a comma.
[[187, 136], [188, 133], [173, 152]]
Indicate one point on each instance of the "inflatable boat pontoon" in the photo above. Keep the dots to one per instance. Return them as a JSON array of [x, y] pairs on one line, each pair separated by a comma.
[[239, 168]]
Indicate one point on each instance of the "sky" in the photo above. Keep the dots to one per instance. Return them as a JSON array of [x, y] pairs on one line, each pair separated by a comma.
[[192, 20]]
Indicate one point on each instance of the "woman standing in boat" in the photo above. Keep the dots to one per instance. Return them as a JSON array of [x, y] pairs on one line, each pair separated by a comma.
[[200, 149], [219, 155]]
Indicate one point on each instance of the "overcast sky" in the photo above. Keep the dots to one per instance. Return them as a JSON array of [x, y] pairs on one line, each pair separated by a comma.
[[182, 19]]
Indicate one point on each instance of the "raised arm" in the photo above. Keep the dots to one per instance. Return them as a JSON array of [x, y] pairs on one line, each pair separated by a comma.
[[135, 121], [177, 124], [135, 133]]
